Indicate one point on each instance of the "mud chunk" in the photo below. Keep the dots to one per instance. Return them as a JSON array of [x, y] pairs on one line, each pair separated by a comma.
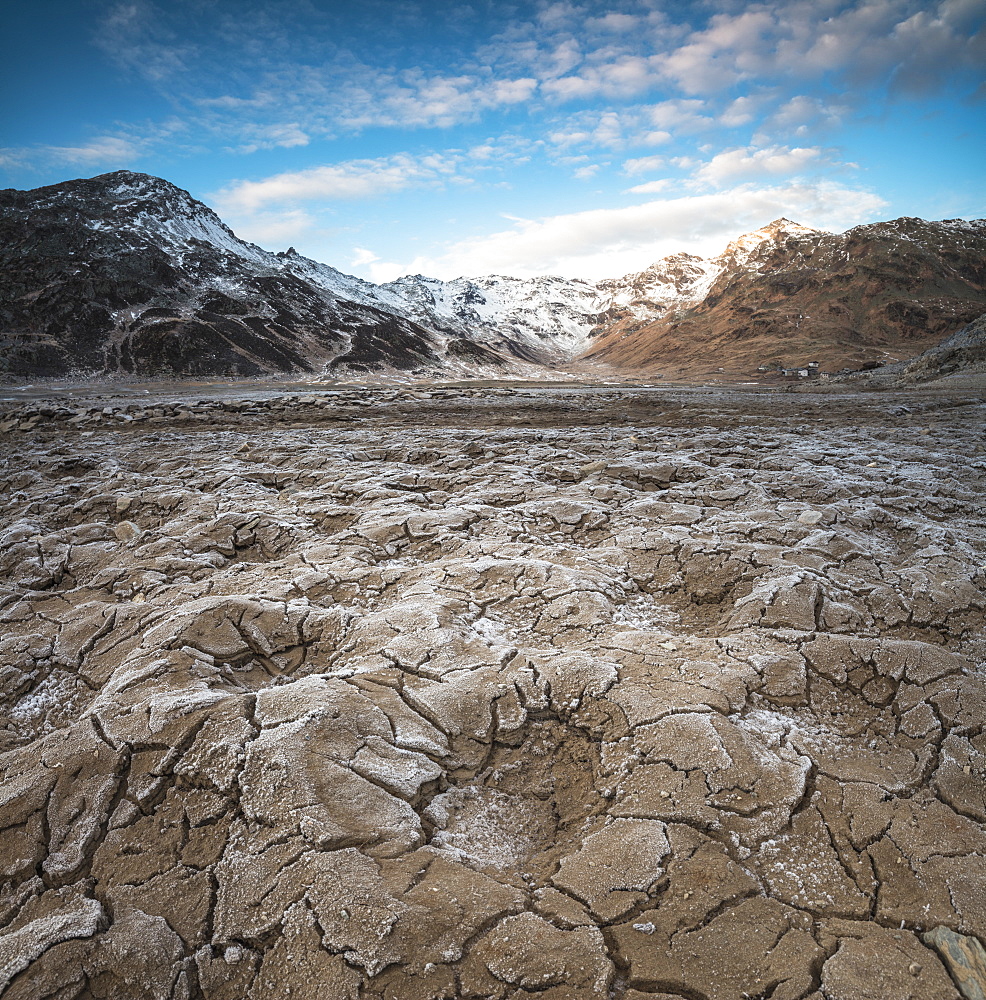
[[714, 772], [526, 952], [755, 942], [615, 866], [76, 918], [873, 962]]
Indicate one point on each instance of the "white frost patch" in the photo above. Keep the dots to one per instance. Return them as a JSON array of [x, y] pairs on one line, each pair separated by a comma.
[[18, 949], [645, 614], [493, 633], [489, 827]]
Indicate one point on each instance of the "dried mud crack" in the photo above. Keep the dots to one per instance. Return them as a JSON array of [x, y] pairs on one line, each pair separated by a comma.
[[376, 695]]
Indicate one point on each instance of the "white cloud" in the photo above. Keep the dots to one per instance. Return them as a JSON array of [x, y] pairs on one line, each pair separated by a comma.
[[683, 115], [741, 111], [622, 75], [363, 257], [802, 114], [287, 227], [650, 187], [353, 179], [306, 87], [643, 164], [656, 137], [614, 23], [915, 47], [608, 130], [586, 172], [103, 150], [413, 98], [607, 242], [772, 161], [286, 136]]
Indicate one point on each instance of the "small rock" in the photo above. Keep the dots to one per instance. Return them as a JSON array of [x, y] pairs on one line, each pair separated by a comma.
[[965, 959], [591, 467], [126, 530], [730, 493]]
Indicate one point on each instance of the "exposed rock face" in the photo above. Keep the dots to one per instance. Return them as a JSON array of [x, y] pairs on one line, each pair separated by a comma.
[[558, 696], [126, 272]]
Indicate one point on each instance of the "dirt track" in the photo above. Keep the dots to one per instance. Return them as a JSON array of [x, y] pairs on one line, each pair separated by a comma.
[[493, 693]]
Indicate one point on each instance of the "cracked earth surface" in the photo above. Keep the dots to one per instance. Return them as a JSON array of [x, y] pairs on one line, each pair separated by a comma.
[[494, 695]]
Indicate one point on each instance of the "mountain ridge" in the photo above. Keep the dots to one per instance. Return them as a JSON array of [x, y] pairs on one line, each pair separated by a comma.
[[128, 272]]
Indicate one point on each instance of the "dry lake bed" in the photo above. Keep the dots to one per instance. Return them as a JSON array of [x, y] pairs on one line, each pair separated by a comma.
[[558, 693]]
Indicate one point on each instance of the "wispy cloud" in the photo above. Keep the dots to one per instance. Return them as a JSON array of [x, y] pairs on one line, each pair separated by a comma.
[[363, 257], [281, 228], [912, 46], [352, 180], [416, 99], [135, 35], [607, 129], [651, 187], [803, 114], [643, 164], [286, 136], [775, 52], [105, 150]]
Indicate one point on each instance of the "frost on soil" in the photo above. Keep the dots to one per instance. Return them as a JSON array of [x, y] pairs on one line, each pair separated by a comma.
[[559, 696]]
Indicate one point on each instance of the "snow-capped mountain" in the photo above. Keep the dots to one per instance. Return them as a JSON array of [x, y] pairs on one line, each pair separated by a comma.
[[126, 272]]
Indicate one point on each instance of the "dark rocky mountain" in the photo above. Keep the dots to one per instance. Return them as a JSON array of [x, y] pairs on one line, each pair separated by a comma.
[[126, 272]]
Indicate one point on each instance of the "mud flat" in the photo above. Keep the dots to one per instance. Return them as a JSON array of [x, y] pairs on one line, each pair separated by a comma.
[[558, 694]]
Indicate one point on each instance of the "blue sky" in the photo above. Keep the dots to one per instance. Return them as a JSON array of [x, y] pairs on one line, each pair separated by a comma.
[[387, 137]]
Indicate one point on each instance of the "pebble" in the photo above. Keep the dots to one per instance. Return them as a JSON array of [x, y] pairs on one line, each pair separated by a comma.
[[811, 517]]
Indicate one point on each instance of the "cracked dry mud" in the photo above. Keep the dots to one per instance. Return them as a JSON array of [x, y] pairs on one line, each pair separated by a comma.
[[557, 695]]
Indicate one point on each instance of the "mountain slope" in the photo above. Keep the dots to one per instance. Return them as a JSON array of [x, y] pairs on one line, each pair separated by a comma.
[[128, 272], [790, 295], [961, 354]]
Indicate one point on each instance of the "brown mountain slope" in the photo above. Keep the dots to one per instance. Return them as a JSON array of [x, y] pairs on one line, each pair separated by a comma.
[[875, 293]]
